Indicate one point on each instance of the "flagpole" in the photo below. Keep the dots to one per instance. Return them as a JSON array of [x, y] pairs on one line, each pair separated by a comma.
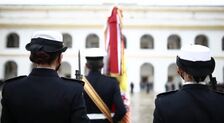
[[79, 61], [78, 72]]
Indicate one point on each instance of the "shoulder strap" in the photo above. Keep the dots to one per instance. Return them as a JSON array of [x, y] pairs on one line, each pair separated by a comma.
[[96, 99]]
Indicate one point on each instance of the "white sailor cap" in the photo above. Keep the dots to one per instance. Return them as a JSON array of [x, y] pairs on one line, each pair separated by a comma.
[[195, 53], [196, 60], [48, 41], [95, 53]]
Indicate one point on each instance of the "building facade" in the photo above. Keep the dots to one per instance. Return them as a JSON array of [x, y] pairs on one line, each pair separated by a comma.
[[153, 36]]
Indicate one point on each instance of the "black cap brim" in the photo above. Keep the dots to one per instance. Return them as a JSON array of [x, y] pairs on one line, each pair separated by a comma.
[[37, 47], [196, 68], [40, 44]]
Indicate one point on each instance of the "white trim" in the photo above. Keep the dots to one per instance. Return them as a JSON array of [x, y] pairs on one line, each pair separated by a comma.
[[96, 116], [188, 83]]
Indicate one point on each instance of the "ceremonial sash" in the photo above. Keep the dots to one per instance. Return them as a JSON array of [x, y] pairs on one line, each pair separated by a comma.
[[96, 99]]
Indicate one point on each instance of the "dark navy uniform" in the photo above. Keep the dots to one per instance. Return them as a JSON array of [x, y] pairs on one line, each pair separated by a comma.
[[108, 90], [194, 103], [43, 97]]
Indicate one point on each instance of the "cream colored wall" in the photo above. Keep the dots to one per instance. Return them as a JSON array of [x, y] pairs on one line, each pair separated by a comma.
[[79, 21]]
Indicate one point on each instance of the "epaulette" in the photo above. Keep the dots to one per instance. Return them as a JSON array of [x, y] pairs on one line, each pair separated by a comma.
[[111, 77], [73, 80], [15, 78], [167, 93], [219, 92]]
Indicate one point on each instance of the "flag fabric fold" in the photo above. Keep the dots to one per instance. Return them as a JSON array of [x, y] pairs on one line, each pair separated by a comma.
[[115, 65]]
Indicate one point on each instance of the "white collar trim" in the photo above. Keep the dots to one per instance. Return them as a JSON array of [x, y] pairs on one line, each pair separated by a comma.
[[189, 82]]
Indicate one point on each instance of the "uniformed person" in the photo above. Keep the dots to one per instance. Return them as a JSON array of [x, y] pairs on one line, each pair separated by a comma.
[[42, 96], [194, 102], [106, 87]]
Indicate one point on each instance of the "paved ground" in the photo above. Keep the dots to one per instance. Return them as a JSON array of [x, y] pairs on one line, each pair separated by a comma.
[[142, 106]]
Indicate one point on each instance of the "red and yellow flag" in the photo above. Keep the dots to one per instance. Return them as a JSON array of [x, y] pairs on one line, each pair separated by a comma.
[[115, 62]]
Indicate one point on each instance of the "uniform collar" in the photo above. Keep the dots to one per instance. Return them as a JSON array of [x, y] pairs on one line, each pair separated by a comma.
[[195, 86], [190, 82], [44, 72], [94, 73]]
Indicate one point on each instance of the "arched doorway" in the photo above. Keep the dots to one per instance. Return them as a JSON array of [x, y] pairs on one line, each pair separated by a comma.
[[125, 41], [174, 42], [223, 74], [92, 41], [146, 77], [223, 45], [201, 40], [67, 40], [146, 42], [10, 69], [12, 40], [65, 70], [173, 79]]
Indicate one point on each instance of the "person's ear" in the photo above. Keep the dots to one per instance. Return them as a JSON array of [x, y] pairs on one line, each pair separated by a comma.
[[88, 66], [58, 62], [180, 72], [101, 65], [60, 58]]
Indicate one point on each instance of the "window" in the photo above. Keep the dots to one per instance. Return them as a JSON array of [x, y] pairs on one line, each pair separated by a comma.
[[32, 66], [223, 44], [92, 41], [12, 41], [173, 42], [10, 69], [146, 42], [67, 40], [202, 40], [173, 79], [65, 70], [147, 77]]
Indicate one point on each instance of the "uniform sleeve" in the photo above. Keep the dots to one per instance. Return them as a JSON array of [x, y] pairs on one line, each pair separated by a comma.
[[79, 113], [157, 114], [120, 109], [6, 115]]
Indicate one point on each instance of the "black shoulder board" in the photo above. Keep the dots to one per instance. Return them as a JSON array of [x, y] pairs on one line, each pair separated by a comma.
[[111, 77], [219, 92], [15, 78], [167, 93], [74, 80]]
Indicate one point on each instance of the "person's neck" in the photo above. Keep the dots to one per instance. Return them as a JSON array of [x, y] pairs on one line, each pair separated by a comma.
[[95, 71], [188, 78], [46, 66]]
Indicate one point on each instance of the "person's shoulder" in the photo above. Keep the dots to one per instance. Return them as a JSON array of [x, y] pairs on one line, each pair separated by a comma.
[[12, 82], [15, 79], [166, 94], [165, 97], [219, 92], [109, 77], [72, 81], [72, 86]]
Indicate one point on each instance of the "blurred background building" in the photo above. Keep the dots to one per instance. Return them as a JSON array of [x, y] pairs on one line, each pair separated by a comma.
[[154, 32]]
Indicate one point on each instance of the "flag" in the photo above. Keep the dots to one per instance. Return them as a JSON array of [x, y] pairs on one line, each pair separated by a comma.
[[115, 62]]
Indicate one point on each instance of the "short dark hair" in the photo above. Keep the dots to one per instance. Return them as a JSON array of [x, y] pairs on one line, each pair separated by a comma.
[[199, 78], [95, 65], [42, 57]]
